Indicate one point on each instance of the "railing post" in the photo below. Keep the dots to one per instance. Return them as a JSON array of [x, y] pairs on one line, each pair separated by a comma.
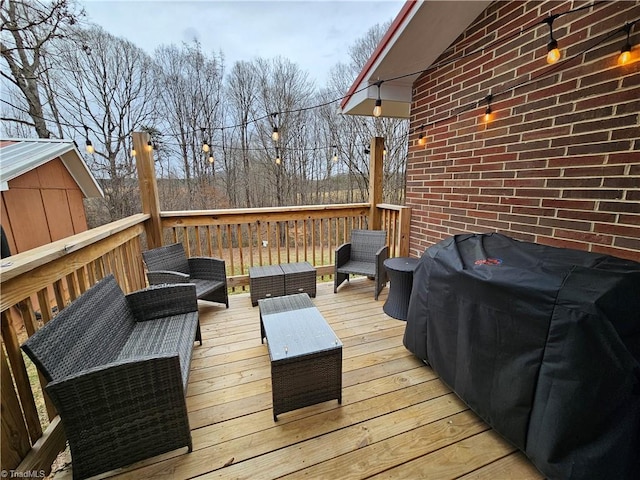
[[404, 225], [375, 182], [148, 188]]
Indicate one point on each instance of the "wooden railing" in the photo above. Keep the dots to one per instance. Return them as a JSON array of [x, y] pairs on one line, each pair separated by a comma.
[[266, 236], [36, 284]]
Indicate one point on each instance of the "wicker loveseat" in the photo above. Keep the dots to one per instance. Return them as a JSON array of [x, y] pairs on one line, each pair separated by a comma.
[[118, 368]]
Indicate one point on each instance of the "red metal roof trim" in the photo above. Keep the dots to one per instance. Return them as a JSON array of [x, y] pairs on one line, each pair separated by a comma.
[[397, 22]]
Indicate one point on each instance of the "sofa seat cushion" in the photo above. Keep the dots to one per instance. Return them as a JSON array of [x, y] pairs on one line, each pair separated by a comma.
[[174, 334], [361, 268]]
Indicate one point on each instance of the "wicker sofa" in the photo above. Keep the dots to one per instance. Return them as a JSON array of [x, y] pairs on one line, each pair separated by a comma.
[[118, 368]]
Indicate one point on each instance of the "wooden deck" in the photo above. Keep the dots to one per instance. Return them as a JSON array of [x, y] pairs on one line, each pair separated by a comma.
[[397, 420]]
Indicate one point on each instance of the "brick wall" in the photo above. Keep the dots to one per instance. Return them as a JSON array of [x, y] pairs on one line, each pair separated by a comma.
[[559, 163]]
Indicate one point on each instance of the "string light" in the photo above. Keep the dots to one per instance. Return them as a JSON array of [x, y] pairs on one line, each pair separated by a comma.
[[211, 159], [553, 53], [625, 53], [205, 144], [149, 146], [377, 110], [90, 149], [422, 138], [335, 153], [278, 159], [133, 152], [488, 111], [275, 135]]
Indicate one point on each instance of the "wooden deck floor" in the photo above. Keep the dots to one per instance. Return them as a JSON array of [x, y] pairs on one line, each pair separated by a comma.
[[397, 420]]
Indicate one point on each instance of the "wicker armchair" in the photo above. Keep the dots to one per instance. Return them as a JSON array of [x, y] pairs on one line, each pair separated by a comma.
[[363, 256], [118, 368], [169, 264]]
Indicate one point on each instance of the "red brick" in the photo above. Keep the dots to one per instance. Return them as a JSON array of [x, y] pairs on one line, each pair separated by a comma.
[[629, 219], [566, 224], [574, 183], [562, 243], [584, 236], [587, 216], [595, 193], [599, 147], [622, 230], [626, 207], [569, 204]]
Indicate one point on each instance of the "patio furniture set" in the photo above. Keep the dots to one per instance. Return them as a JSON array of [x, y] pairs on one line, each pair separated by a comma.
[[118, 365]]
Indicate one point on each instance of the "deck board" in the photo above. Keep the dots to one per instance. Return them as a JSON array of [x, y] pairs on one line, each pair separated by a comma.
[[396, 420]]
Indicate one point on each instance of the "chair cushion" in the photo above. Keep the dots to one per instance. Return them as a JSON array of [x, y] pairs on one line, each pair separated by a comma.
[[359, 268], [204, 287]]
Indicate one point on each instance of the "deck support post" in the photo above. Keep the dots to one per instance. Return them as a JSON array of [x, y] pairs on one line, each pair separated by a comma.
[[148, 188], [375, 182]]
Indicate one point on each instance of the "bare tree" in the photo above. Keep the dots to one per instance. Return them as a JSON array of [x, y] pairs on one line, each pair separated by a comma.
[[28, 28], [107, 87], [354, 132], [189, 85], [242, 95]]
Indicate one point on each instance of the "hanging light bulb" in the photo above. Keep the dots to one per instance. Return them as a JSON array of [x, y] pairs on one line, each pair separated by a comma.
[[278, 159], [625, 53], [211, 159], [275, 135], [89, 146], [422, 138], [149, 146], [553, 53], [488, 111], [133, 152], [377, 110], [335, 154], [205, 144]]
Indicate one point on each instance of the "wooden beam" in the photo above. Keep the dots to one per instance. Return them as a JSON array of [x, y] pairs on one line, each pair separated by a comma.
[[148, 188], [45, 450], [375, 182]]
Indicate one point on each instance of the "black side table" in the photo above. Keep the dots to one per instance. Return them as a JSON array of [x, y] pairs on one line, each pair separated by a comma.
[[400, 271]]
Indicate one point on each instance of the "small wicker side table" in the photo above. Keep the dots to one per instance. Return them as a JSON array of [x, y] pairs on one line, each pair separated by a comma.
[[400, 271], [299, 278], [265, 281]]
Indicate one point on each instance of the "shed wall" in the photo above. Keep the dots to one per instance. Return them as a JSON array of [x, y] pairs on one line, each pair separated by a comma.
[[41, 206]]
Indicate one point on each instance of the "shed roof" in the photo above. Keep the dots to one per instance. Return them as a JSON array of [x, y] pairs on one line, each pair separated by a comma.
[[420, 33], [21, 155]]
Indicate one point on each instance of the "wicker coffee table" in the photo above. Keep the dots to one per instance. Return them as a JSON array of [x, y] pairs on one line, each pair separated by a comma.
[[306, 359]]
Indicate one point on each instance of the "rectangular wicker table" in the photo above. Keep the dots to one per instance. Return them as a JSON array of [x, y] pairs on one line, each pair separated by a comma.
[[270, 281], [306, 359]]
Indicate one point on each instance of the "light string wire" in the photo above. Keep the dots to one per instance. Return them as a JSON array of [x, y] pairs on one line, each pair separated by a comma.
[[468, 107]]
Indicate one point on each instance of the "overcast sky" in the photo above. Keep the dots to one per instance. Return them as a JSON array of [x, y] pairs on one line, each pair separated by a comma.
[[315, 34]]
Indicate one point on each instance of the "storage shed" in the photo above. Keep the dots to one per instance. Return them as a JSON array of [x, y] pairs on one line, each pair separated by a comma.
[[43, 183]]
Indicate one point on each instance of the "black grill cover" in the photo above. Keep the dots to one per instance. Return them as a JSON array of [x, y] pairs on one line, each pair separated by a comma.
[[543, 343]]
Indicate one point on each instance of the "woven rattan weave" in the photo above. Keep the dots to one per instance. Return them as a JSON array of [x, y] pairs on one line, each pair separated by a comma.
[[118, 368]]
